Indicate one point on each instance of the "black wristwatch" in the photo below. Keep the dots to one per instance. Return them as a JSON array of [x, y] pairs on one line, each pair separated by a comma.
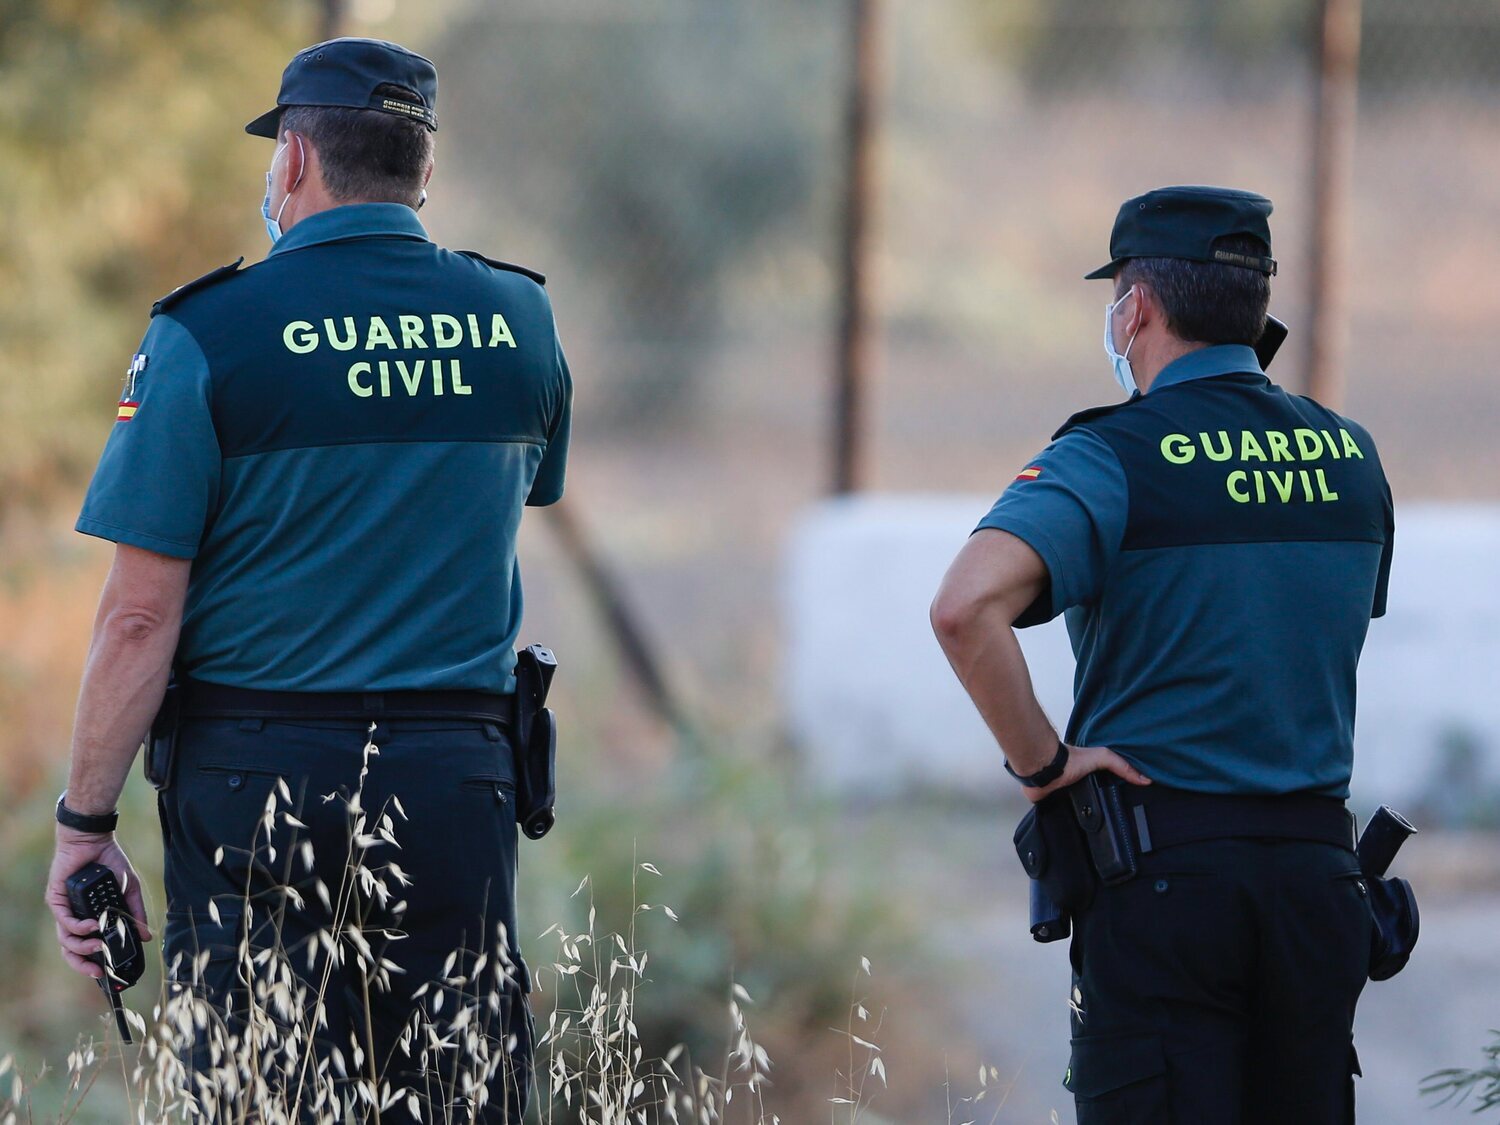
[[101, 822], [1048, 773]]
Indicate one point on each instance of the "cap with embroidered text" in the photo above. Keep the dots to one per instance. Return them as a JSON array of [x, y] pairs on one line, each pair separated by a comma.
[[1186, 222], [348, 72]]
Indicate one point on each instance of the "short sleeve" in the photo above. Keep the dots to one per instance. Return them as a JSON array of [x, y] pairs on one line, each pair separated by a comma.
[[1383, 578], [1069, 505], [157, 482], [547, 488]]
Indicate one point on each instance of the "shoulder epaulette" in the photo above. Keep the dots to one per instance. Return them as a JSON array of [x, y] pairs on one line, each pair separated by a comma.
[[539, 278], [212, 277], [1084, 416]]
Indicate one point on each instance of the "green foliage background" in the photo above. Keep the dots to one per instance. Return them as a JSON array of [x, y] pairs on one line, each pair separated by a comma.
[[124, 173]]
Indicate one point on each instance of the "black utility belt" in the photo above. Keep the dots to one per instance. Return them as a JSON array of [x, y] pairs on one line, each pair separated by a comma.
[[1093, 833], [1165, 818], [531, 724], [205, 700]]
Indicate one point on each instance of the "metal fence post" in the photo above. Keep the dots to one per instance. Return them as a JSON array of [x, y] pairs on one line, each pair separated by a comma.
[[854, 357], [1338, 34]]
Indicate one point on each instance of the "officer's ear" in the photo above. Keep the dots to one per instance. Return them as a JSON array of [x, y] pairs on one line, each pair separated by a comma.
[[1147, 309], [294, 162]]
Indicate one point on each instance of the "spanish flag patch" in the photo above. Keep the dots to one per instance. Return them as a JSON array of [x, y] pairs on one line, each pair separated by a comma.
[[1029, 473], [128, 403]]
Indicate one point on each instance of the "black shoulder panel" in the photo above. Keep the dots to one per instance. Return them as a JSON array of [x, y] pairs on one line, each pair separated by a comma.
[[539, 278], [213, 277], [1085, 416]]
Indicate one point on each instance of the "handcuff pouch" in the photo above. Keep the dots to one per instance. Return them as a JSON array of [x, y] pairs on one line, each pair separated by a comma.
[[1053, 851]]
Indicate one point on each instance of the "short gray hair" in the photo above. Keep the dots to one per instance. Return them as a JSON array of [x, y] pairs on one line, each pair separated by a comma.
[[367, 155], [1207, 302]]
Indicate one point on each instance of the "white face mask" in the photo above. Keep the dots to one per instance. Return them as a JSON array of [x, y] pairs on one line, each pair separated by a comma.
[[1124, 375], [273, 224]]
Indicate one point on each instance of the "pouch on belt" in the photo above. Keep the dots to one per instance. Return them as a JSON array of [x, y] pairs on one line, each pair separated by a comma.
[[1053, 851]]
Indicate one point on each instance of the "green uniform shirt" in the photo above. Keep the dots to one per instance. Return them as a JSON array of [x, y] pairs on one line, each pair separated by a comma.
[[1218, 547], [342, 438]]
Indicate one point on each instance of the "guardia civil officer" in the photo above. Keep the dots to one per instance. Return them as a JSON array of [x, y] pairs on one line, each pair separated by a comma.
[[315, 484], [1218, 547]]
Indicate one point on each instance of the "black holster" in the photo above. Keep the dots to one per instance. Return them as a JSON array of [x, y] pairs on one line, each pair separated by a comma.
[[1099, 808], [160, 759], [535, 742], [1393, 903]]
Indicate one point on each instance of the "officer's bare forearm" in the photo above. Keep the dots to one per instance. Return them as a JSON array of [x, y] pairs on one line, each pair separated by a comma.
[[987, 657], [129, 660], [993, 579]]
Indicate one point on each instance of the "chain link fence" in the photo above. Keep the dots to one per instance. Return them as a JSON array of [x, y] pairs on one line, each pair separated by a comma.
[[677, 168]]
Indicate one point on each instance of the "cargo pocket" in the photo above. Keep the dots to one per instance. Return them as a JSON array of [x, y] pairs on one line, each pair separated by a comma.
[[1119, 1080]]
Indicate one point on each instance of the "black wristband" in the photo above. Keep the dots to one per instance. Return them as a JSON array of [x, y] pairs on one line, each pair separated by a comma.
[[1048, 773], [83, 822]]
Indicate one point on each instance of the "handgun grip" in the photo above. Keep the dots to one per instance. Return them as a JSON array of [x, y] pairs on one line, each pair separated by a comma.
[[535, 667], [1381, 840]]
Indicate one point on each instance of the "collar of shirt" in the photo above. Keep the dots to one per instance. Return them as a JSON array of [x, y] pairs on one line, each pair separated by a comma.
[[353, 220], [1205, 363]]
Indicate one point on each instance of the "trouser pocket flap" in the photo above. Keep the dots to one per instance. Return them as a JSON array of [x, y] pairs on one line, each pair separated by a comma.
[[1102, 1064]]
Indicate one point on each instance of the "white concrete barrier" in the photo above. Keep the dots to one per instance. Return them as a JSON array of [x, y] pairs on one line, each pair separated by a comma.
[[872, 703]]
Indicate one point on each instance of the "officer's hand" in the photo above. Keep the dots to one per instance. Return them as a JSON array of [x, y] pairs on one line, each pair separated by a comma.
[[1084, 760], [76, 936]]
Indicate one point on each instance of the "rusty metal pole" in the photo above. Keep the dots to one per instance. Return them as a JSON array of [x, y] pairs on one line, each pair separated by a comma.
[[1338, 34], [855, 355]]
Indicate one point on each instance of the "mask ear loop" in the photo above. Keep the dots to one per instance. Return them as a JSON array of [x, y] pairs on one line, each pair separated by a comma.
[[301, 172], [1131, 342]]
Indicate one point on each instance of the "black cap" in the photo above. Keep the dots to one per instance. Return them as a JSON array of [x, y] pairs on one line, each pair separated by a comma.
[[1184, 222], [345, 72]]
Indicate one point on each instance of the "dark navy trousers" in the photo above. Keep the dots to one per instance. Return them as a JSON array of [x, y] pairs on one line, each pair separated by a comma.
[[362, 901], [1218, 987]]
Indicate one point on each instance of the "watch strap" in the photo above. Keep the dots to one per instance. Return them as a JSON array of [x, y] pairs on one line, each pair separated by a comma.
[[1048, 773], [85, 822]]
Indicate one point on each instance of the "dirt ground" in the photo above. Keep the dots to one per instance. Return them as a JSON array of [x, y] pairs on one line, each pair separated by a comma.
[[1011, 993]]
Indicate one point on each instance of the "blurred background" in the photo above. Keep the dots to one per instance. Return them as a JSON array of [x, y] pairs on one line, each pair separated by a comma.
[[817, 267]]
